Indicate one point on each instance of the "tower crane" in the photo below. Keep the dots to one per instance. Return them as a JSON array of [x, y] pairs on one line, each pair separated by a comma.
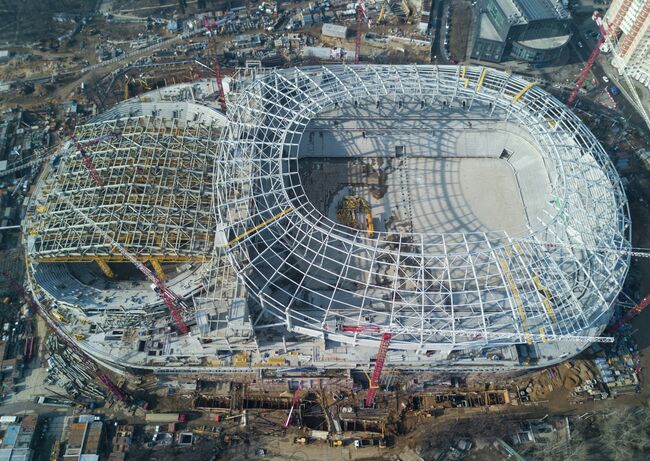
[[39, 157], [174, 302], [118, 393], [357, 40], [629, 315], [293, 405], [379, 366], [608, 34], [216, 68], [85, 158], [381, 356]]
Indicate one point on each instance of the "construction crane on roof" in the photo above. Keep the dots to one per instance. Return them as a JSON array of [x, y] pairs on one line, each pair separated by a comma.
[[216, 68], [381, 356], [174, 303], [357, 40], [629, 315], [118, 393], [293, 405], [85, 158], [610, 35], [379, 366]]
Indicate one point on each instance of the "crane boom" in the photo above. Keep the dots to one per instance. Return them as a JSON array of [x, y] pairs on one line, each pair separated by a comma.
[[293, 405], [629, 315], [216, 68], [379, 366], [85, 158], [174, 303], [357, 40], [608, 34]]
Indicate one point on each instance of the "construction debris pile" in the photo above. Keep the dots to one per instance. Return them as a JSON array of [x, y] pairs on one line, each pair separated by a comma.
[[67, 370]]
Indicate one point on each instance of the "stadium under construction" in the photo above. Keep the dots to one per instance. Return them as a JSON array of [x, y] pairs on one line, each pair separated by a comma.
[[460, 217]]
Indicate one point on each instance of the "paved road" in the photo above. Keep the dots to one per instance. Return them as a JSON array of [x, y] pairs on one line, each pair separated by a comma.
[[603, 68], [436, 27]]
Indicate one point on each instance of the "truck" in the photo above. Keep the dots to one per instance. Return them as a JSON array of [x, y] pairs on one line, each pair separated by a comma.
[[159, 418], [614, 90], [53, 401]]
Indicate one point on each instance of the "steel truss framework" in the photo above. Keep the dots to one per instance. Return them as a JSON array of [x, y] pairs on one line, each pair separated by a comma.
[[156, 200], [555, 282]]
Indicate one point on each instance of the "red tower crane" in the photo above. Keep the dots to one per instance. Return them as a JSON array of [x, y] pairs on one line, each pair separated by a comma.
[[608, 34], [174, 303], [381, 356], [293, 405], [216, 68], [85, 158], [629, 315], [118, 393], [379, 366], [357, 40]]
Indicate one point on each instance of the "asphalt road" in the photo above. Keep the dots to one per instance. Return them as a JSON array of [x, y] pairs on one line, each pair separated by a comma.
[[436, 28], [598, 71]]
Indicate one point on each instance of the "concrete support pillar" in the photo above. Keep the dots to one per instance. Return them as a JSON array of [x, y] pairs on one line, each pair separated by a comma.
[[108, 272], [157, 267]]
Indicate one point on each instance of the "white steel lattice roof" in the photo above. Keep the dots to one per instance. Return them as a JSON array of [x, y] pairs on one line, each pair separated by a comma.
[[553, 280]]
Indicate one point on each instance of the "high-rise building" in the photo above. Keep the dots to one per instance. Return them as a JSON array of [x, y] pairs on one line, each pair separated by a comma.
[[633, 51]]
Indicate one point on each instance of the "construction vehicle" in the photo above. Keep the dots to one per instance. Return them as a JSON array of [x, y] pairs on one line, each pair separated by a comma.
[[56, 451], [353, 210], [59, 317], [379, 366], [336, 443], [126, 87], [301, 440], [160, 418], [386, 337], [382, 12]]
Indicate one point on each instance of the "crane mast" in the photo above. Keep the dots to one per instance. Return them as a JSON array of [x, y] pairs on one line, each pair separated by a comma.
[[85, 158], [379, 366], [609, 34], [357, 40], [293, 405], [216, 68]]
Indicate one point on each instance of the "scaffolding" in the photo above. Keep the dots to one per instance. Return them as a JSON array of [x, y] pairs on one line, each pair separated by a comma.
[[154, 200]]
